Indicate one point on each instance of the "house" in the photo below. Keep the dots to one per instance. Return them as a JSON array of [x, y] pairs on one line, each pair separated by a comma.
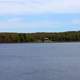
[[46, 40]]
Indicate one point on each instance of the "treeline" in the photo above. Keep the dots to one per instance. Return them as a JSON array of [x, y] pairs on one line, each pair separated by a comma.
[[39, 37]]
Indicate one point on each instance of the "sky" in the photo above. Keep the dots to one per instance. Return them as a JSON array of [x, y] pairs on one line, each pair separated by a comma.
[[39, 15]]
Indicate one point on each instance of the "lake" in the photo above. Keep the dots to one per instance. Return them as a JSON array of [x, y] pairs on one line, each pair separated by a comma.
[[44, 61]]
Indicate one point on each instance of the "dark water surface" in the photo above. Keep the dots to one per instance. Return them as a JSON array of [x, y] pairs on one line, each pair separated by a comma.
[[48, 61]]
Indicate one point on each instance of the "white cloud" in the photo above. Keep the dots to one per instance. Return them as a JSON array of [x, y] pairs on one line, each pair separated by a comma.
[[73, 21], [29, 6], [18, 7], [24, 7], [76, 21], [72, 6], [17, 23]]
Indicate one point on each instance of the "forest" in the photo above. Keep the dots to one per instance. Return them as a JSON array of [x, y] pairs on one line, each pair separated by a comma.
[[40, 37]]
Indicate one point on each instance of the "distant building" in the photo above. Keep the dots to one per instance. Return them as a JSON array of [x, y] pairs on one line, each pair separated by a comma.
[[46, 40]]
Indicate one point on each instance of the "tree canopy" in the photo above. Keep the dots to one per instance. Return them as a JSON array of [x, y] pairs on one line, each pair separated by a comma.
[[39, 37]]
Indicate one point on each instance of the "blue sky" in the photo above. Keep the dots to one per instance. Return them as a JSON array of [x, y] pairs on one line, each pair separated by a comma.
[[39, 15]]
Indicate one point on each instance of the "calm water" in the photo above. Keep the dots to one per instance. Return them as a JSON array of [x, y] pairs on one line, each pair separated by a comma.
[[54, 61]]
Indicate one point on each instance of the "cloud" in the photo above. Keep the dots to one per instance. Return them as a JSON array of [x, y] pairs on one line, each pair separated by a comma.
[[21, 7], [29, 6], [76, 21], [72, 6], [19, 24], [35, 10]]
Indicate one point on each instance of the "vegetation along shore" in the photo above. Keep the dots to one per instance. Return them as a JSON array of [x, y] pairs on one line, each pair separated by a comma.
[[71, 36]]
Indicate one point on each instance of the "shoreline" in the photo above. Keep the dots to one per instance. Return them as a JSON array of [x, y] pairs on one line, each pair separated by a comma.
[[39, 42]]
